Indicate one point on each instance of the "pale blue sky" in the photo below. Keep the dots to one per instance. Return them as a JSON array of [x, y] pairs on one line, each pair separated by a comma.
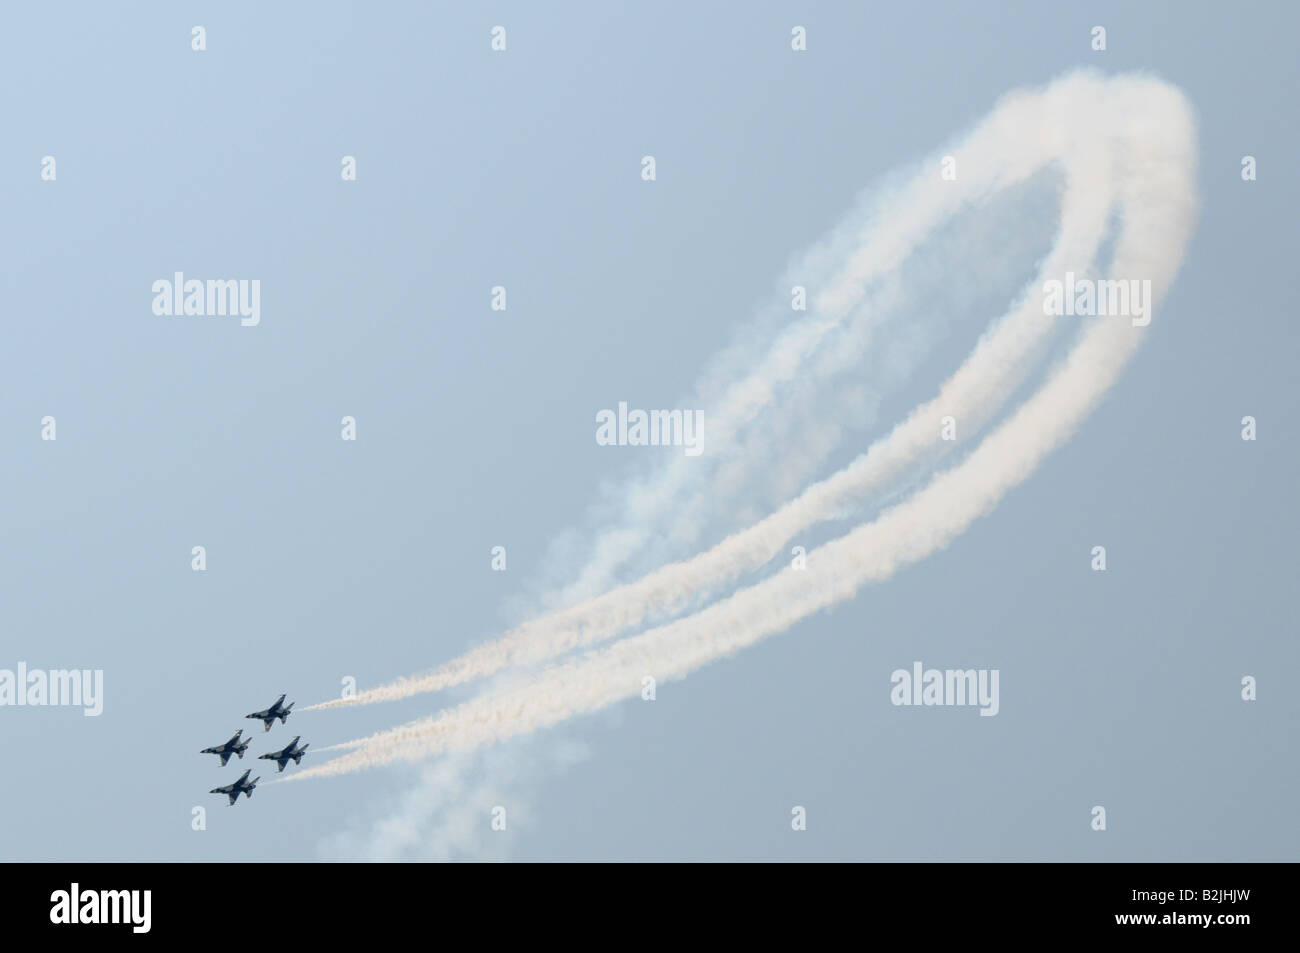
[[328, 559]]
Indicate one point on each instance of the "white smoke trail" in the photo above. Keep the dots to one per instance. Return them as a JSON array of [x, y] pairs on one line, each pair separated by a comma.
[[665, 516], [441, 818], [998, 155], [1145, 133], [669, 510]]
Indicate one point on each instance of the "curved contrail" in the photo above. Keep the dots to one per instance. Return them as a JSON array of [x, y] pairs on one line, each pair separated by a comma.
[[996, 161], [1128, 148]]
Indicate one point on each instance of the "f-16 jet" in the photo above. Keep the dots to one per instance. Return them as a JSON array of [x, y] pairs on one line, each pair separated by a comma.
[[283, 756], [238, 787], [233, 746], [268, 715]]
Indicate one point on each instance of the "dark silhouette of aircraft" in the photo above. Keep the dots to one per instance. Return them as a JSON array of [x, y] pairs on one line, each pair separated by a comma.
[[233, 746], [268, 715], [283, 756], [240, 786]]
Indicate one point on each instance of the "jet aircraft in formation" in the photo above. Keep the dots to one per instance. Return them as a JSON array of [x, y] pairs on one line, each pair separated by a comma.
[[268, 715], [233, 746], [282, 756], [241, 785], [290, 752]]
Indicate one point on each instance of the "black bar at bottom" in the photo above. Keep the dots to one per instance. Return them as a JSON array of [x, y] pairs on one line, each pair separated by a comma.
[[342, 902]]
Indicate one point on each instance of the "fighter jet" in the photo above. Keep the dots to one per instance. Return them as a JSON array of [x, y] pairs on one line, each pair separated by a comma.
[[286, 753], [232, 746], [238, 787], [268, 715]]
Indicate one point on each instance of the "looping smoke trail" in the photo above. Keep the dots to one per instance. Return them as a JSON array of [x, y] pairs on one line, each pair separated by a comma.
[[995, 162], [1127, 145]]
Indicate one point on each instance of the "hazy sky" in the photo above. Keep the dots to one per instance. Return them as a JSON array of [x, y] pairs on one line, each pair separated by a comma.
[[370, 559]]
